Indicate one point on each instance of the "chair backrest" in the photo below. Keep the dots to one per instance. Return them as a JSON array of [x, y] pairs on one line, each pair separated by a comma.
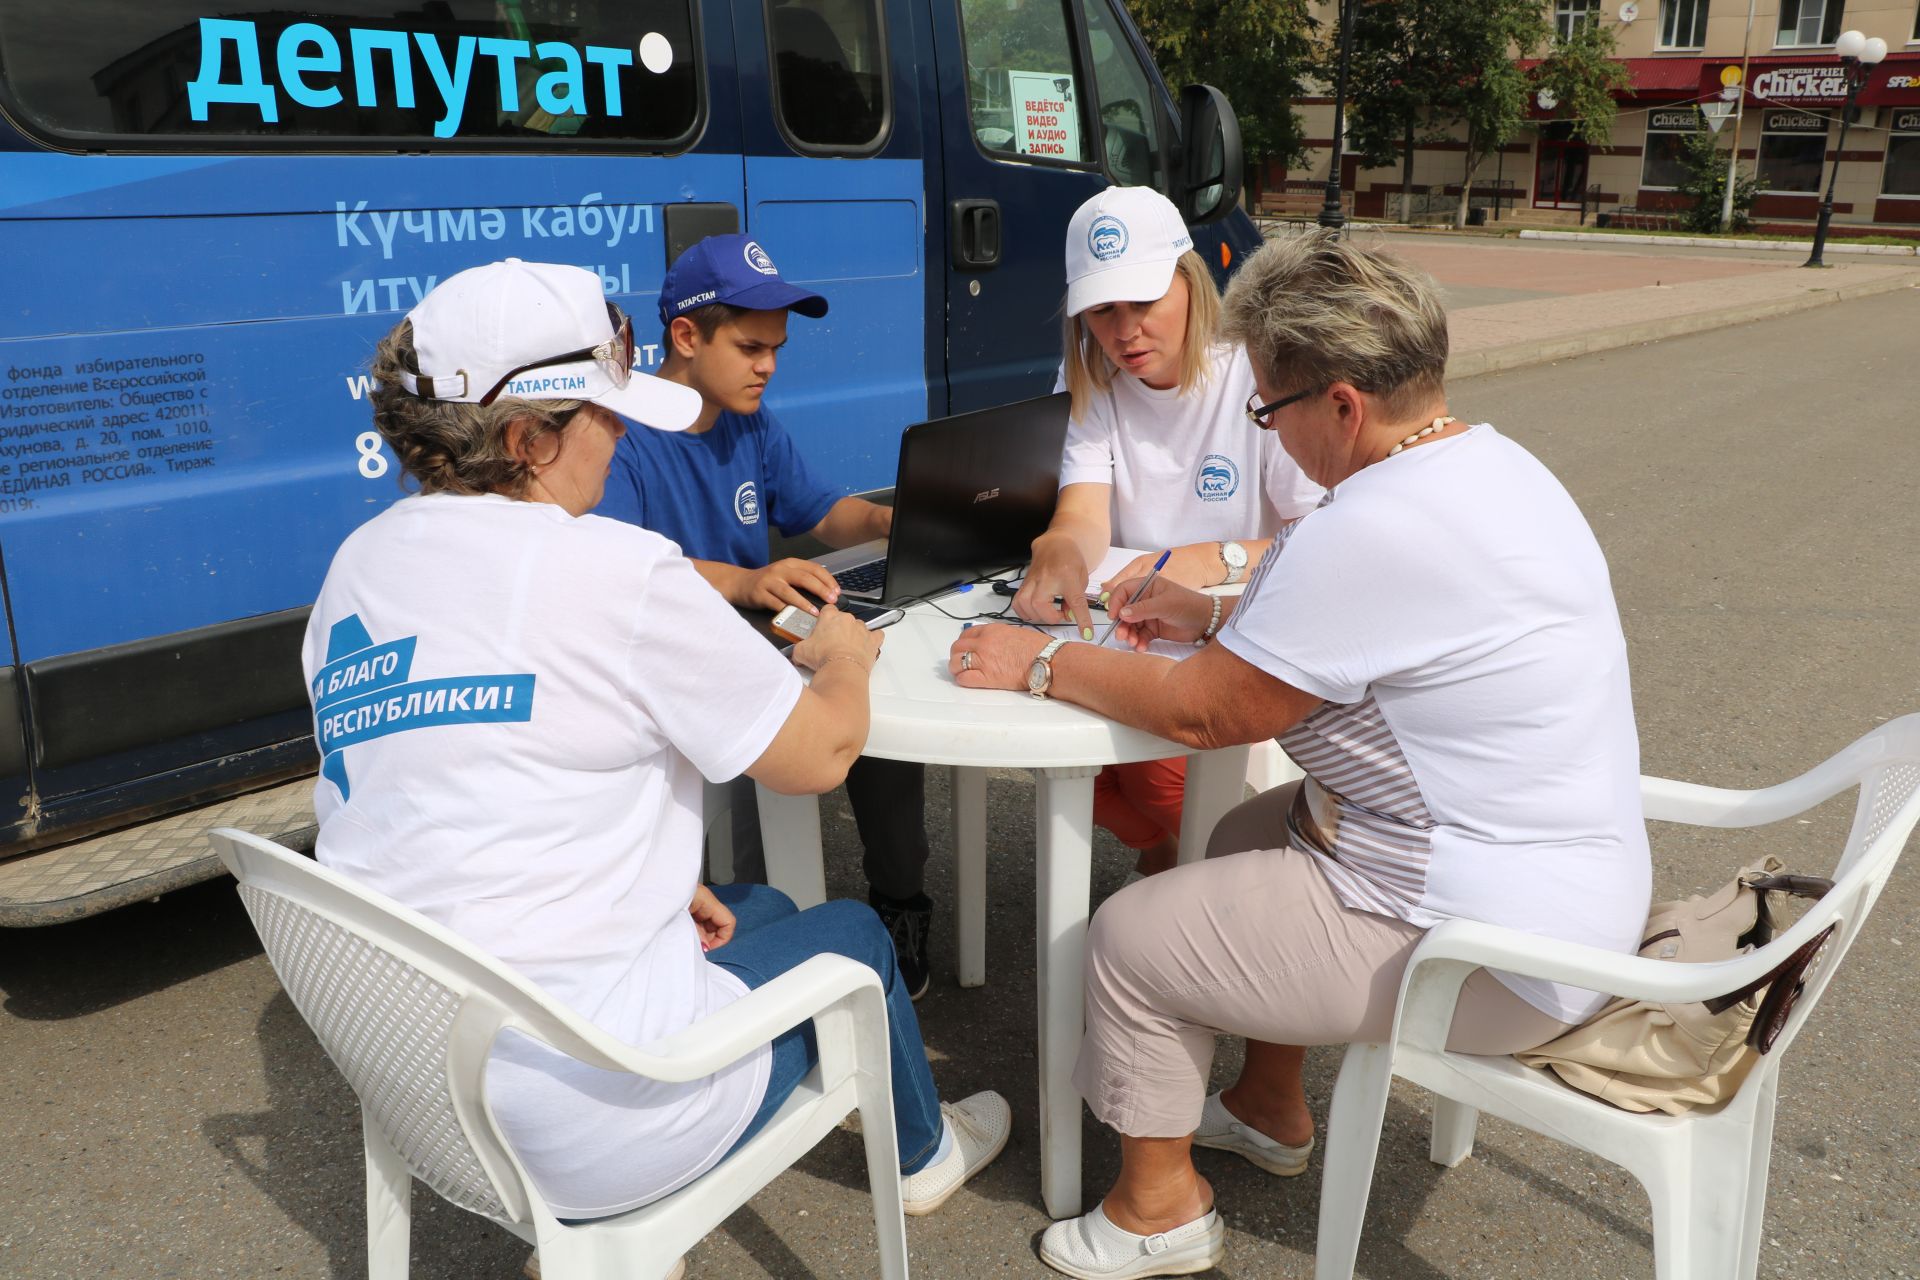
[[1886, 765], [406, 1010]]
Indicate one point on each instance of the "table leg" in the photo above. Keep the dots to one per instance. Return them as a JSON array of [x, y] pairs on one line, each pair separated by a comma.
[[717, 819], [1216, 782], [790, 832], [1063, 848], [969, 791]]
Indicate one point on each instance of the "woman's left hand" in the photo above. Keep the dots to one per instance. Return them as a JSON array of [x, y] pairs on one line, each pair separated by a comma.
[[711, 917], [1196, 565], [995, 656]]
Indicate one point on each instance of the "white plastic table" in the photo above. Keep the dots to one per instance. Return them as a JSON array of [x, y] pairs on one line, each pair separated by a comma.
[[920, 714]]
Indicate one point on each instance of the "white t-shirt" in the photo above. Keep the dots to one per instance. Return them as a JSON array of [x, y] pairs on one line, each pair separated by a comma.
[[1188, 468], [523, 704], [1476, 756]]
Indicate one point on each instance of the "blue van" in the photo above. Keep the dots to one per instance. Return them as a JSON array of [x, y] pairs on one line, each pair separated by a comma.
[[207, 220]]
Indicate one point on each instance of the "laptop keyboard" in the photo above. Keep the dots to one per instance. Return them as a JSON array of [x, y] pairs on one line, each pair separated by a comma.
[[863, 577]]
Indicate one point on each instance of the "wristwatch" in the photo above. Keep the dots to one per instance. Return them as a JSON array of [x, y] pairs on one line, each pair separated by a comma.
[[1040, 674], [1234, 556]]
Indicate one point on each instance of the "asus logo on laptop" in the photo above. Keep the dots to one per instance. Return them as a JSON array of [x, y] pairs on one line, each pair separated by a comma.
[[986, 494]]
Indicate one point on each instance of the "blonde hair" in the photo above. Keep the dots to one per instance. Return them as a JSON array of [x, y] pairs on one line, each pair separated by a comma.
[[1314, 310], [451, 447], [1088, 369]]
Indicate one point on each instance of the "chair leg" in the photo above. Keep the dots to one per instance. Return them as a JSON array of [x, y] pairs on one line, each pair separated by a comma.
[[1700, 1196], [1759, 1162], [389, 1206], [969, 794], [1453, 1126], [1353, 1143], [873, 1094]]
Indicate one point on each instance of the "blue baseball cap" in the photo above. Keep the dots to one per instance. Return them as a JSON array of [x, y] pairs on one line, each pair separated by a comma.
[[733, 269]]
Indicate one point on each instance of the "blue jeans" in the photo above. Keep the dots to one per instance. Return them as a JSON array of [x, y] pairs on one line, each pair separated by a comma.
[[771, 936]]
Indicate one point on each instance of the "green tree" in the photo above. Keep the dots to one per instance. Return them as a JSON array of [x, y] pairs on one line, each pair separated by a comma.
[[1583, 74], [1254, 51], [1705, 161]]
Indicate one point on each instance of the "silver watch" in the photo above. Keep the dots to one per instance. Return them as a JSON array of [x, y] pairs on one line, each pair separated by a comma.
[[1234, 556], [1040, 673]]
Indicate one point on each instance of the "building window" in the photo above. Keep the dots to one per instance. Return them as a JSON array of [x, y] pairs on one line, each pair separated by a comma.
[[1663, 162], [1683, 24], [1793, 150], [1570, 15], [830, 77], [1808, 22], [1902, 176]]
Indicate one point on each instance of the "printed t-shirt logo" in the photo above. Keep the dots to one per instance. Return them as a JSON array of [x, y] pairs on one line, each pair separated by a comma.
[[363, 693], [1217, 479], [757, 259], [1107, 237], [746, 503]]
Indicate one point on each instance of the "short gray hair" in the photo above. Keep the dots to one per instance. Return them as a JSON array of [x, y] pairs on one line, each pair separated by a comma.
[[1314, 310], [452, 447]]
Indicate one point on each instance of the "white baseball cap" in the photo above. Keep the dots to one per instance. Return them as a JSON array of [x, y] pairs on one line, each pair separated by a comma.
[[1121, 247], [536, 331]]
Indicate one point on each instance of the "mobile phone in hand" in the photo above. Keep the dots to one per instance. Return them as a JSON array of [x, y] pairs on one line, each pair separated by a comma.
[[795, 624]]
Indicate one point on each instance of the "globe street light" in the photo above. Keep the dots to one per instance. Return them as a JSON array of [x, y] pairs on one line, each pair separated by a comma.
[[1858, 57]]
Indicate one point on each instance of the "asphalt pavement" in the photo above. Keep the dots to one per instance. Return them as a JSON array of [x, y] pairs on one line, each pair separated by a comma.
[[165, 1113]]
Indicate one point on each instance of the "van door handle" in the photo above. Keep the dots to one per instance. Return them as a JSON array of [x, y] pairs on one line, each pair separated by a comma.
[[974, 232]]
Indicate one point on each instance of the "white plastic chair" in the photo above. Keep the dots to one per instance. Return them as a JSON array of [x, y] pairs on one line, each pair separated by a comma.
[[1706, 1171], [408, 1011]]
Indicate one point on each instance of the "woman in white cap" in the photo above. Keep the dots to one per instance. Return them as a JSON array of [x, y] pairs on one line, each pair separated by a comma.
[[1161, 455], [516, 702]]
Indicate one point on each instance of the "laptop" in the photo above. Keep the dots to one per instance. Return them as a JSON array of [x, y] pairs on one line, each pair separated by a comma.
[[972, 493]]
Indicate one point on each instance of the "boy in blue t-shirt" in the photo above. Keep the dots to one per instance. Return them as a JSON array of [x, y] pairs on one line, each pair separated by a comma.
[[709, 489]]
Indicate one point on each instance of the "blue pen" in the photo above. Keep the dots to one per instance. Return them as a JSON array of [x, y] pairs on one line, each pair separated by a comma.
[[1158, 565]]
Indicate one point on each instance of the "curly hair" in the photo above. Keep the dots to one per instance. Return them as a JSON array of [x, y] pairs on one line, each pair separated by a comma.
[[1314, 310], [1088, 369], [448, 447]]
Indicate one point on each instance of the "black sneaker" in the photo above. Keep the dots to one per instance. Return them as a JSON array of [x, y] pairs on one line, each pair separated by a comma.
[[907, 920]]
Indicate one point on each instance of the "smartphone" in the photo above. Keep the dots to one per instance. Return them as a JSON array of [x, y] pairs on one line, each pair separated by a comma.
[[796, 624]]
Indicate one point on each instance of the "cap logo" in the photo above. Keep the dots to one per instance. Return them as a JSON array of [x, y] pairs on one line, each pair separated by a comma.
[[1107, 237], [757, 259]]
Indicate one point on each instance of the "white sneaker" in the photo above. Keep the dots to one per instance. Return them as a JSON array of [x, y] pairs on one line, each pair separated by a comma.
[[1220, 1130], [1092, 1248], [980, 1127]]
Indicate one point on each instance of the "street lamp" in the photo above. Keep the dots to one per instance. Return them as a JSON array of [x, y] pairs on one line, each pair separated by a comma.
[[1330, 215], [1858, 57]]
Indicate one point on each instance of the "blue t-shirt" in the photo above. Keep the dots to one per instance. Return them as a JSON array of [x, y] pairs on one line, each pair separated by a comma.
[[710, 492]]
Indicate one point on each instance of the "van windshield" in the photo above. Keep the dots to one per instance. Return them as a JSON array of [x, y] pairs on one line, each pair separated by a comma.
[[444, 73]]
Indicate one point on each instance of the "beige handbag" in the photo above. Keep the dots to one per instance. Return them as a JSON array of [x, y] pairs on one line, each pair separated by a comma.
[[1643, 1055]]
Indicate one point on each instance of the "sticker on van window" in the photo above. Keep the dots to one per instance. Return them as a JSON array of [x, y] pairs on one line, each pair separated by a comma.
[[1046, 122]]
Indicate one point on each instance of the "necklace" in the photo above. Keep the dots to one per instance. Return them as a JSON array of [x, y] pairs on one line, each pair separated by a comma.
[[1438, 424]]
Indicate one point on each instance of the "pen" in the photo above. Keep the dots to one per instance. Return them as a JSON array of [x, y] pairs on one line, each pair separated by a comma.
[[1114, 617]]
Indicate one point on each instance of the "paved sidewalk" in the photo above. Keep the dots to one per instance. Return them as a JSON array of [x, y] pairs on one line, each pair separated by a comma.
[[1513, 303]]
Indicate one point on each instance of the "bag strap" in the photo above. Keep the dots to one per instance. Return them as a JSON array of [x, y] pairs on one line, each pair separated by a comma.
[[1787, 983], [1815, 887], [1776, 1004]]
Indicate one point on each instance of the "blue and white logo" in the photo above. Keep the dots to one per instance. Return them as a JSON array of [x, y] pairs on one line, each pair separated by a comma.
[[1107, 237], [746, 503], [1217, 480], [757, 259]]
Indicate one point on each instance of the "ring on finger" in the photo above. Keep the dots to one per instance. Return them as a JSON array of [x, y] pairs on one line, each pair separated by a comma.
[[966, 660]]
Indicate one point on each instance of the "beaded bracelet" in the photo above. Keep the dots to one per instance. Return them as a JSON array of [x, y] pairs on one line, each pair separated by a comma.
[[1213, 625]]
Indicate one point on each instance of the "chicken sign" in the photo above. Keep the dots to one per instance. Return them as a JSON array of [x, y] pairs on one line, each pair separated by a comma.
[[1046, 120]]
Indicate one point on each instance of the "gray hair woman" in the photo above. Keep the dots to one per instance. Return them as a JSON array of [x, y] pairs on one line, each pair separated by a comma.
[[1437, 646]]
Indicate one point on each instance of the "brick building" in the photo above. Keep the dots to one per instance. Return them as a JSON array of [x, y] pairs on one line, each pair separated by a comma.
[[1682, 52]]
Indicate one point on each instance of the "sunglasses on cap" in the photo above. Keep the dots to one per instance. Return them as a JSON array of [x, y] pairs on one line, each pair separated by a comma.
[[614, 356]]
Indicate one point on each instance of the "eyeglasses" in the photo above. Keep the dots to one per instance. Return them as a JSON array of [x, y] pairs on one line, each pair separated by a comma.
[[614, 356], [1262, 417]]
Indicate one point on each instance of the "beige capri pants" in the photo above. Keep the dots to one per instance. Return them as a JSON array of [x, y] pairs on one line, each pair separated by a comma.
[[1252, 942]]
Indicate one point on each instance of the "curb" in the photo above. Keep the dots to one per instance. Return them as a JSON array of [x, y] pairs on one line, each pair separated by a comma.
[[1714, 242], [1520, 354]]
